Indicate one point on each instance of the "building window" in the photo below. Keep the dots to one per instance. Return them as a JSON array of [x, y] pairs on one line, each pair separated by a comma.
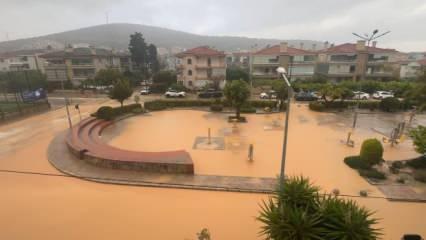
[[189, 61], [190, 83], [352, 69], [266, 70], [189, 72], [209, 62]]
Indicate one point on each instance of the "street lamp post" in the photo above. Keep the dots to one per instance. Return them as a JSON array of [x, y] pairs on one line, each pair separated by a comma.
[[283, 72]]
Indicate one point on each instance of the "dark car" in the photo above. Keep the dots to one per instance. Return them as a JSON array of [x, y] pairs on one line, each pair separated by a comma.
[[210, 93], [412, 237], [305, 96]]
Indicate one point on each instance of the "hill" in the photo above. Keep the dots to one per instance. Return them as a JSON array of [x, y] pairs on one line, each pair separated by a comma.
[[117, 36]]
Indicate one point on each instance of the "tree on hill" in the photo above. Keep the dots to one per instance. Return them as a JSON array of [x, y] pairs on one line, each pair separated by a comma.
[[237, 93], [297, 211], [121, 91]]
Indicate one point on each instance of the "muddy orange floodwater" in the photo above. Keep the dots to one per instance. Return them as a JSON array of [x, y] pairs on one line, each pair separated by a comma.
[[34, 207]]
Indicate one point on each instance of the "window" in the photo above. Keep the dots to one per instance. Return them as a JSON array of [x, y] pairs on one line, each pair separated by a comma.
[[190, 83], [266, 70], [189, 61], [209, 62], [352, 69], [189, 72]]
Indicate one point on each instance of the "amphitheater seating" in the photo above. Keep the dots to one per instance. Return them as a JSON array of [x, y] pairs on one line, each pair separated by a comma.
[[84, 141]]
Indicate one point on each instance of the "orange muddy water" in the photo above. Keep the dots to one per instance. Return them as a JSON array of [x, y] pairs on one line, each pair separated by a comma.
[[35, 207]]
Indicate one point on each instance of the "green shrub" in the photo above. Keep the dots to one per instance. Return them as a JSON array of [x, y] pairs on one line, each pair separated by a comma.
[[372, 173], [390, 104], [248, 109], [355, 162], [109, 113], [420, 175], [216, 107], [371, 152], [393, 170], [317, 106], [105, 113], [417, 163]]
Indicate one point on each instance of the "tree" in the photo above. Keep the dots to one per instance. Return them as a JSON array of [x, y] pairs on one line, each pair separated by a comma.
[[330, 92], [121, 91], [153, 62], [281, 89], [419, 139], [107, 77], [138, 50], [297, 211], [163, 80], [237, 92], [237, 73]]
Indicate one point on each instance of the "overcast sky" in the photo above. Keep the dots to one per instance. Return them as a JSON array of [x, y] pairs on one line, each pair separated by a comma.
[[332, 20]]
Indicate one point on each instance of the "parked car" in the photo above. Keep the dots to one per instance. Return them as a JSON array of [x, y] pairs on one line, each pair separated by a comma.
[[145, 91], [305, 96], [361, 95], [382, 95], [173, 93], [271, 94], [210, 93], [411, 237]]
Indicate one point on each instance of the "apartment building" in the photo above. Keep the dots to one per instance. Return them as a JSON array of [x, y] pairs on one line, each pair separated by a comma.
[[22, 60], [238, 59], [201, 66], [357, 61], [78, 64], [299, 63], [412, 69]]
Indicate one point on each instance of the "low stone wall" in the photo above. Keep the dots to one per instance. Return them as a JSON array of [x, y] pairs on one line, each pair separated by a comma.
[[84, 142]]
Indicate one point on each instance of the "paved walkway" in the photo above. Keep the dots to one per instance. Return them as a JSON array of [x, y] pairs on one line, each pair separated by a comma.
[[60, 157]]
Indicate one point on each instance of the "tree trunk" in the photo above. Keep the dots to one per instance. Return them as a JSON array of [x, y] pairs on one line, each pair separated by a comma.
[[238, 112], [121, 102]]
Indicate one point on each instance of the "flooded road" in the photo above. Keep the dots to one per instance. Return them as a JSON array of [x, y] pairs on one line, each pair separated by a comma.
[[34, 206]]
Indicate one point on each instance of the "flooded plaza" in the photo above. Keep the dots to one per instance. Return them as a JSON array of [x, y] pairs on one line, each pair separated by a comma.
[[55, 207]]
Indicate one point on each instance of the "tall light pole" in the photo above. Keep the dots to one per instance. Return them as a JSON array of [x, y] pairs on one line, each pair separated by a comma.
[[283, 72]]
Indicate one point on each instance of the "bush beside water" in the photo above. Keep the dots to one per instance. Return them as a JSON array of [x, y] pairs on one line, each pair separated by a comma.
[[109, 113]]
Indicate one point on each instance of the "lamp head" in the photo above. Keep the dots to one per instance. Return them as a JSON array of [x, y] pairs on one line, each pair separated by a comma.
[[281, 70]]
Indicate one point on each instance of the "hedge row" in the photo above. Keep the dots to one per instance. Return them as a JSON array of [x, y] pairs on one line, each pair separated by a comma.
[[109, 113], [387, 105], [215, 105]]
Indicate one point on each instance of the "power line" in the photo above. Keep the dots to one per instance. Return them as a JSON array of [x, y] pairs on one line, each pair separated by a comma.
[[147, 182]]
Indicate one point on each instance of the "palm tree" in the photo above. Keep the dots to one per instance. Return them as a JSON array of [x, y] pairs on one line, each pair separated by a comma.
[[297, 211]]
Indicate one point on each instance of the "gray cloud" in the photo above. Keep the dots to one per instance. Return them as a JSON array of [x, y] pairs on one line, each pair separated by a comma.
[[332, 20]]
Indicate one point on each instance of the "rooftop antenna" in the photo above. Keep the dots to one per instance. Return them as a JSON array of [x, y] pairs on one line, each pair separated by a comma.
[[107, 17], [370, 37]]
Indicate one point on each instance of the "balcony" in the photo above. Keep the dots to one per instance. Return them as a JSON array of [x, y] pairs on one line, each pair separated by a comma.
[[203, 66]]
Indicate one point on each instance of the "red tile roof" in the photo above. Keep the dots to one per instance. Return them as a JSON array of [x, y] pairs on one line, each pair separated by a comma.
[[422, 62], [351, 48], [202, 51], [275, 50]]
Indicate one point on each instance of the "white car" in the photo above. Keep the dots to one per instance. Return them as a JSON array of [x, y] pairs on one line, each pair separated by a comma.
[[270, 95], [174, 93], [382, 95], [361, 95], [145, 91]]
